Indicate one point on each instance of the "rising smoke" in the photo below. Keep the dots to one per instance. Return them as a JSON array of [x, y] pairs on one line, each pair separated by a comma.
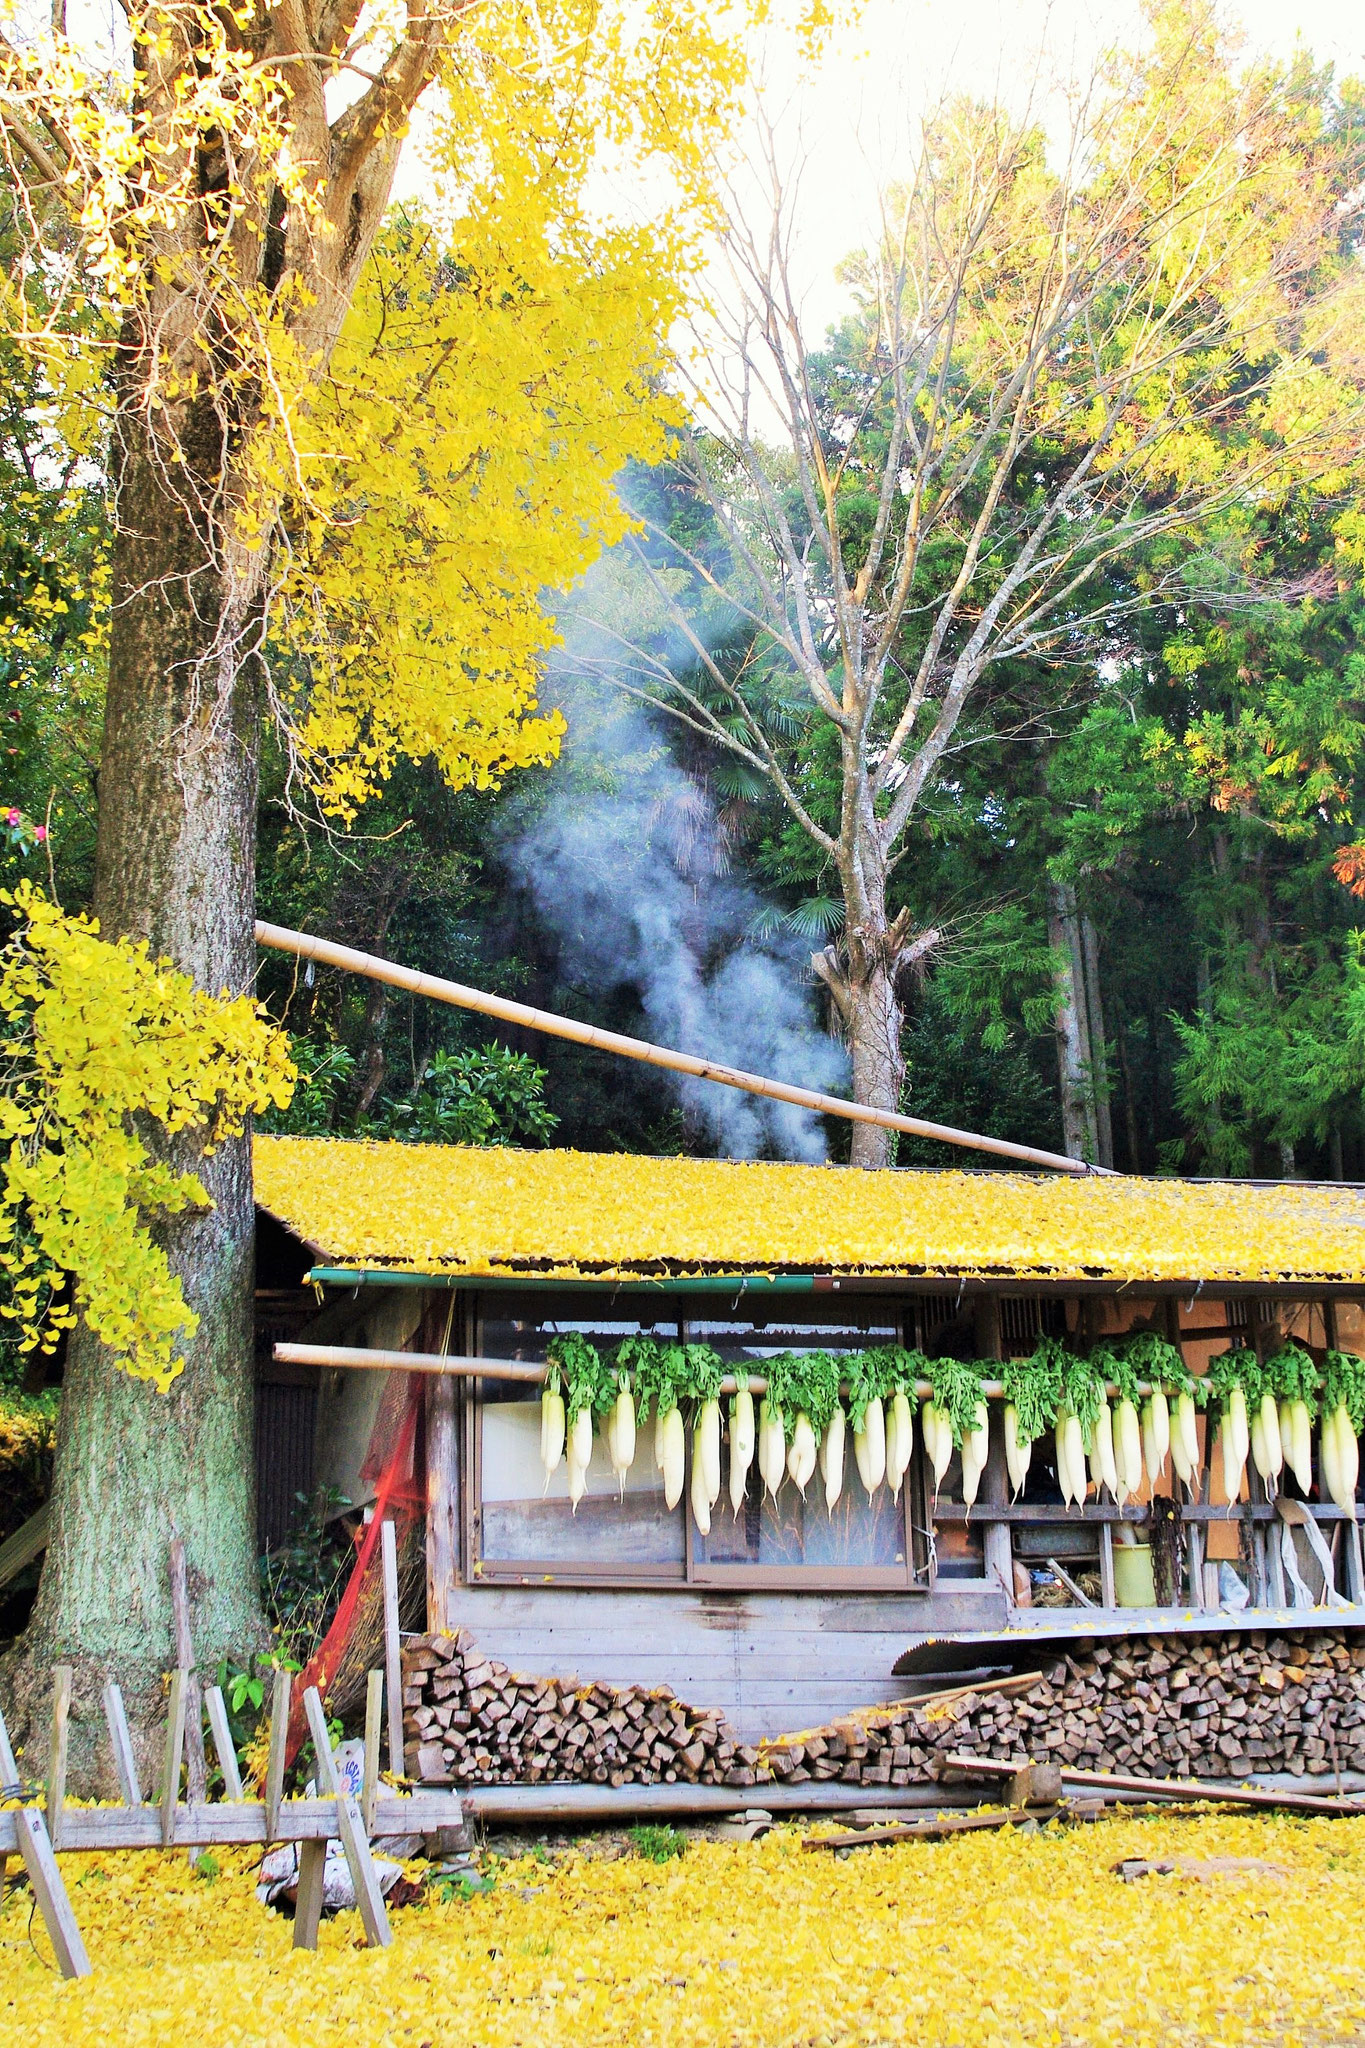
[[627, 864]]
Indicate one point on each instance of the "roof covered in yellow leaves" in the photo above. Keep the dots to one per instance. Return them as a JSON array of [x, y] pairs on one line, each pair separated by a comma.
[[453, 1210]]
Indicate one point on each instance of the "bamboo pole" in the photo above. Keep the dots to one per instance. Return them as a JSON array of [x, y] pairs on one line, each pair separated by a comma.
[[439, 990], [355, 1357]]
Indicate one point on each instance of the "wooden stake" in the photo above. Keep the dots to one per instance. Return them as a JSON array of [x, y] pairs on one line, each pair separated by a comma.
[[222, 1742], [175, 1751], [35, 1847], [56, 1759], [308, 1894], [364, 1881], [196, 1768], [374, 1713], [274, 1770], [393, 1665], [121, 1742]]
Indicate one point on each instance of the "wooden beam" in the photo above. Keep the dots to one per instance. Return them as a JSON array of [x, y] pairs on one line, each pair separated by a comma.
[[443, 1495], [223, 1743], [393, 1660], [35, 1847], [29, 1540], [374, 1711], [221, 1823], [56, 1755], [274, 1770], [174, 1756], [364, 1879], [121, 1743]]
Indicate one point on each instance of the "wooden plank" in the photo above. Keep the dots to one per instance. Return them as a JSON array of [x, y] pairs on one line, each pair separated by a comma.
[[1082, 1599], [56, 1755], [35, 1847], [222, 1822], [1211, 1789], [196, 1771], [175, 1750], [29, 1540], [223, 1743], [364, 1881], [1107, 1598], [933, 1830], [308, 1895], [374, 1712], [121, 1743], [443, 1495], [274, 1771], [393, 1666]]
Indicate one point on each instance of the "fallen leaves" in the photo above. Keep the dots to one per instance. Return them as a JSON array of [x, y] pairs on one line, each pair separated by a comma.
[[454, 1209], [1018, 1939]]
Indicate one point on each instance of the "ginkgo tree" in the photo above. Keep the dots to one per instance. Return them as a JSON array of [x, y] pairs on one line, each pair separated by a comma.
[[344, 460]]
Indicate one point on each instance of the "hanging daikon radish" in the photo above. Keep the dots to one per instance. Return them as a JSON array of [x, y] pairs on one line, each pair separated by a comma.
[[1296, 1441], [869, 1446], [801, 1457], [1232, 1446], [900, 1442], [701, 1506], [1070, 1447], [621, 1432], [1127, 1451], [673, 1459], [1156, 1432], [1340, 1454], [658, 1440], [1267, 1449], [937, 1431], [551, 1432], [742, 1437], [579, 1455], [832, 1456], [772, 1446], [1103, 1469], [1185, 1438], [975, 1451], [1017, 1453], [708, 1444]]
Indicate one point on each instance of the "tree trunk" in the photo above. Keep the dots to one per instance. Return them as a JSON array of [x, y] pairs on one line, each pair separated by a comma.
[[874, 1035], [175, 864], [1079, 1137], [1099, 1050]]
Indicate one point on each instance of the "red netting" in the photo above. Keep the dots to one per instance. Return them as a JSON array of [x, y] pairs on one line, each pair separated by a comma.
[[390, 1466]]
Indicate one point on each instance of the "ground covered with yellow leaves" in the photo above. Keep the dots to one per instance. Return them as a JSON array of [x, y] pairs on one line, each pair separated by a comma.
[[982, 1939]]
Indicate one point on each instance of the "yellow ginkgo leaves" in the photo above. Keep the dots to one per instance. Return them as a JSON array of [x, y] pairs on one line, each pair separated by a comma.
[[439, 1209]]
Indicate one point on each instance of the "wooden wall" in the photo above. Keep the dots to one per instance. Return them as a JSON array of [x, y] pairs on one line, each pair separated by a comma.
[[773, 1662]]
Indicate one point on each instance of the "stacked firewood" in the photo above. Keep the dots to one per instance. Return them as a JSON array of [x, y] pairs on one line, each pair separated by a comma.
[[1232, 1707], [468, 1720], [1227, 1707]]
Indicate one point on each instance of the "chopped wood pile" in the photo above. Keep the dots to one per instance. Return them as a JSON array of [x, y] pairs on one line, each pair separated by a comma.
[[1226, 1707], [467, 1719]]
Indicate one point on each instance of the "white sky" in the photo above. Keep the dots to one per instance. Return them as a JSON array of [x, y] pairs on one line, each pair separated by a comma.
[[848, 118]]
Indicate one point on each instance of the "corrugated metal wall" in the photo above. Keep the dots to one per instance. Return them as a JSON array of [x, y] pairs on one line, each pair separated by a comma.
[[286, 1421]]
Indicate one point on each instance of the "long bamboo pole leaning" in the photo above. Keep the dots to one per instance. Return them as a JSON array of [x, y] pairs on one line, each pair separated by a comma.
[[439, 990]]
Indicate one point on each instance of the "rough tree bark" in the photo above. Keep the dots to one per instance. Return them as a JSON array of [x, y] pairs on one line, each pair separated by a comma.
[[175, 859]]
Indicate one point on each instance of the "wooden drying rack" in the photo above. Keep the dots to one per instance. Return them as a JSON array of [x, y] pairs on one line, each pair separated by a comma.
[[37, 1832]]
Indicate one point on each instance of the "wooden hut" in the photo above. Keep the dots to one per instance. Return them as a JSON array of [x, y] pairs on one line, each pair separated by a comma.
[[785, 1613]]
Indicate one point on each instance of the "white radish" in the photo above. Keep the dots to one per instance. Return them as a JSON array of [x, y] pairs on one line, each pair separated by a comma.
[[772, 1447], [621, 1435], [1070, 1458], [579, 1455], [801, 1457], [1241, 1423], [1267, 1450], [673, 1461], [1156, 1432], [900, 1443], [1233, 1455], [658, 1440], [1301, 1440], [975, 1451], [938, 1439], [1127, 1451], [551, 1432], [869, 1446], [701, 1506], [1340, 1458], [1103, 1467], [1017, 1453], [1063, 1460], [1187, 1431], [742, 1438], [707, 1447], [832, 1456]]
